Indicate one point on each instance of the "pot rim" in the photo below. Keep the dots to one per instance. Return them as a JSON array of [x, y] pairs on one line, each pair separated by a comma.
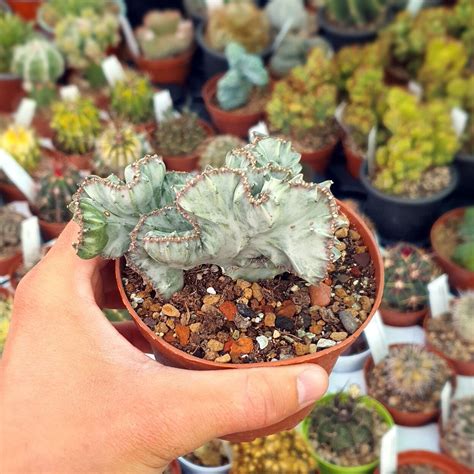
[[9, 76], [206, 469]]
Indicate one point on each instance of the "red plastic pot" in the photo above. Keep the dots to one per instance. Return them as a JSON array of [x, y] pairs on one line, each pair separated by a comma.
[[25, 8], [11, 92], [405, 418], [459, 277], [6, 263], [396, 318], [11, 193], [172, 356], [319, 159], [353, 160]]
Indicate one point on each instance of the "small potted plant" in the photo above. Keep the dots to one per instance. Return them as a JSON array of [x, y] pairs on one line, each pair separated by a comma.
[[453, 244], [408, 270], [6, 308], [75, 124], [301, 109], [178, 139], [211, 458], [166, 41], [451, 335], [214, 150], [236, 100], [10, 238], [345, 430], [408, 382]]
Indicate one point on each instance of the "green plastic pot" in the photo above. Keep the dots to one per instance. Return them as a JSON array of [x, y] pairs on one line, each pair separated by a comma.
[[326, 467]]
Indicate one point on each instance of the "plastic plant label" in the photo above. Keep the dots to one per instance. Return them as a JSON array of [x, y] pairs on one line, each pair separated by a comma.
[[162, 102], [282, 33], [46, 143], [459, 118], [339, 115], [25, 112], [416, 89], [414, 6], [213, 4], [439, 294], [259, 129], [446, 395], [375, 334], [70, 92], [30, 241], [371, 149], [113, 70], [129, 36], [388, 452], [17, 175]]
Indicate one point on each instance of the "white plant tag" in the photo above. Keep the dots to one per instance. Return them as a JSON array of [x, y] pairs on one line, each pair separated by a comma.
[[414, 6], [259, 129], [104, 115], [214, 4], [375, 334], [439, 294], [371, 149], [46, 143], [17, 175], [22, 207], [388, 452], [459, 118], [113, 70], [282, 33], [416, 89], [30, 241], [129, 36], [162, 102], [339, 115], [70, 92], [25, 112], [446, 395]]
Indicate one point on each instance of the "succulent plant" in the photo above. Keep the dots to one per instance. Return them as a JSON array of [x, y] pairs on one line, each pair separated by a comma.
[[76, 124], [10, 231], [117, 147], [132, 99], [356, 13], [460, 24], [246, 71], [463, 316], [408, 270], [13, 32], [40, 64], [281, 11], [55, 194], [21, 143], [238, 22], [464, 251], [164, 34], [215, 149], [6, 308], [244, 212]]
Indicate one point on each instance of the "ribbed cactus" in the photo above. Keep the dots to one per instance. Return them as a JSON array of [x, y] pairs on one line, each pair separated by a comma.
[[10, 231], [40, 64], [355, 13], [246, 71], [117, 147], [463, 316], [464, 252], [22, 143], [6, 308], [76, 124], [164, 34], [215, 149], [13, 32], [281, 11]]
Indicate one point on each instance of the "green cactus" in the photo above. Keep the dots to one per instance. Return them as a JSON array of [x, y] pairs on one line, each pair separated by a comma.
[[10, 232], [246, 71], [6, 308], [460, 24], [463, 316], [356, 13], [132, 99], [40, 64], [281, 11], [464, 251], [76, 124], [215, 149], [22, 143], [55, 194], [164, 34], [13, 32], [408, 270]]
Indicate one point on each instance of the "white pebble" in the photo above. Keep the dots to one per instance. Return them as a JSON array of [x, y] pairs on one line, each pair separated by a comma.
[[262, 341], [276, 334], [295, 288], [325, 343], [211, 290]]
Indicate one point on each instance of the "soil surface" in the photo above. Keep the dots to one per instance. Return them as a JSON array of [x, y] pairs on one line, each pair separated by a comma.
[[418, 469], [218, 319], [256, 103]]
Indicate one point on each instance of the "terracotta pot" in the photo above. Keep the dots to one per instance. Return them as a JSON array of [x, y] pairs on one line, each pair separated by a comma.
[[11, 193], [174, 70], [78, 161], [51, 230], [436, 460], [319, 159], [25, 8], [7, 262], [459, 277], [406, 418], [354, 161], [400, 319], [11, 92], [187, 162], [227, 121], [462, 367], [172, 356]]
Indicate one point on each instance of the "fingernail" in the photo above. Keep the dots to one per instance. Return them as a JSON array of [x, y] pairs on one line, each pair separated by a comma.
[[310, 385]]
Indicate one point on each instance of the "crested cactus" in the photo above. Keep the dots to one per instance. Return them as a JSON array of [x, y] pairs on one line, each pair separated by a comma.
[[246, 71], [6, 308], [464, 252], [215, 149], [40, 64], [22, 143], [164, 34], [76, 124], [463, 316], [356, 13], [10, 232], [13, 32], [281, 11]]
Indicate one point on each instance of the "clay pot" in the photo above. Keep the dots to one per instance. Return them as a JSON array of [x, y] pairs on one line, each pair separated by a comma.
[[174, 70], [78, 161], [11, 92], [7, 262], [354, 161], [319, 159], [51, 230], [459, 277], [401, 319], [227, 121], [11, 193], [406, 418], [25, 8], [170, 355]]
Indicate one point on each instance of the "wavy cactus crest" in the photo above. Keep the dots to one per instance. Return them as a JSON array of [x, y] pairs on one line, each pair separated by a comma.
[[463, 316]]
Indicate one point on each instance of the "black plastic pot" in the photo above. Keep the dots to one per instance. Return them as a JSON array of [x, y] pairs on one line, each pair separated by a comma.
[[401, 218], [465, 167]]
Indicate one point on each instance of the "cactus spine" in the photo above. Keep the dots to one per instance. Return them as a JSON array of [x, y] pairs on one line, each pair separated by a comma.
[[463, 316], [22, 143]]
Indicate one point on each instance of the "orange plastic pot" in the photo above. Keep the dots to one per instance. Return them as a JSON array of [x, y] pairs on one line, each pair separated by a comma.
[[459, 277], [396, 318], [51, 230], [405, 418], [353, 160], [172, 356], [319, 159], [174, 70], [25, 8], [11, 92]]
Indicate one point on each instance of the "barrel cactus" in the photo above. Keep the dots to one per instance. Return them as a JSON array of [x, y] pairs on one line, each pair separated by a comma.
[[22, 143], [463, 316], [10, 231], [13, 32], [215, 149], [281, 11], [356, 13], [463, 254]]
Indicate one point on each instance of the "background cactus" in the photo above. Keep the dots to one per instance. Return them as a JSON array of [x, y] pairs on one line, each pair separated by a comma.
[[76, 124], [40, 64], [464, 251], [246, 71], [280, 11], [10, 231], [356, 13], [6, 308], [164, 34], [408, 270], [13, 32], [22, 143], [215, 149], [463, 316]]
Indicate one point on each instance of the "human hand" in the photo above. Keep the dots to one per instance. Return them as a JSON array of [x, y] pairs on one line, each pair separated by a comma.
[[77, 394]]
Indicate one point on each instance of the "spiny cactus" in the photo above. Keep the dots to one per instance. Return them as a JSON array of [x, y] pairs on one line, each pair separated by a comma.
[[215, 149], [117, 147], [239, 22], [76, 124], [10, 231], [164, 34], [13, 32], [132, 99], [40, 64], [463, 316], [408, 270], [246, 71], [464, 251], [356, 13], [6, 308], [281, 11], [22, 143]]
